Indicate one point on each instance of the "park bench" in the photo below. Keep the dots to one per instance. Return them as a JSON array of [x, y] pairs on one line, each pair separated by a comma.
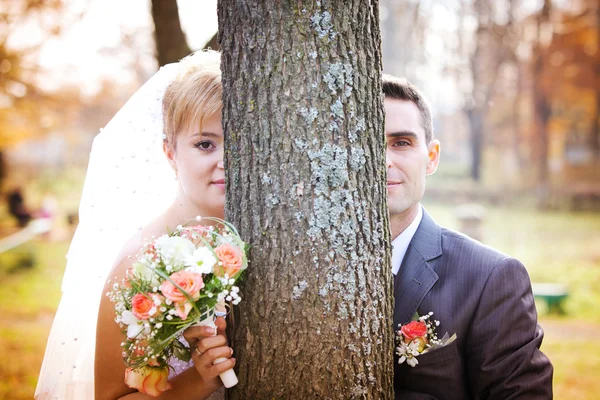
[[34, 228], [552, 294]]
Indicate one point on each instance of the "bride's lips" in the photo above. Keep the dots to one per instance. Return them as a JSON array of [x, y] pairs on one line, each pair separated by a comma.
[[219, 182], [393, 183]]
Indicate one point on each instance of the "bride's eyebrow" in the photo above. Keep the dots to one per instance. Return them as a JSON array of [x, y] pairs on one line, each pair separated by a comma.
[[208, 134]]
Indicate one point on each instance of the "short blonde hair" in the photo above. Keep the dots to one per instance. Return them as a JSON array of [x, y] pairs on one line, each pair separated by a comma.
[[194, 96]]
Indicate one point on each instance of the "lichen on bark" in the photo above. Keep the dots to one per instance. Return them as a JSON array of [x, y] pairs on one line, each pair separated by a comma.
[[306, 188]]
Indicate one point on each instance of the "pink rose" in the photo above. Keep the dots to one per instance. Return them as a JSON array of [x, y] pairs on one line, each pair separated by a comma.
[[231, 259], [413, 330], [193, 233], [142, 306], [190, 282], [152, 381]]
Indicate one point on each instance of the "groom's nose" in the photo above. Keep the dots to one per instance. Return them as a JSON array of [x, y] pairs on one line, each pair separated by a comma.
[[388, 161]]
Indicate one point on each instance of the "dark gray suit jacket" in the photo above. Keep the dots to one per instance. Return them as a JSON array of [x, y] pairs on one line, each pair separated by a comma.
[[485, 298]]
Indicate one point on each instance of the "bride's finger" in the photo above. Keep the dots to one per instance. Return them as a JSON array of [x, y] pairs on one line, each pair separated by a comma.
[[195, 333], [211, 342], [209, 356], [221, 324], [217, 369], [205, 362]]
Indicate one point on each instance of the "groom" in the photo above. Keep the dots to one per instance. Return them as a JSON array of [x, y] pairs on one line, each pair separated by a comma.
[[475, 292]]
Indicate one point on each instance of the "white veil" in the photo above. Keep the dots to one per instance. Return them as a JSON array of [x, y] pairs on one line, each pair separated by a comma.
[[128, 183]]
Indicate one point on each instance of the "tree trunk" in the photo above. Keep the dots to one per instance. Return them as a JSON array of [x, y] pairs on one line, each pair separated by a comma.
[[517, 134], [595, 134], [303, 123], [475, 110], [3, 170], [542, 117], [595, 131], [475, 116], [542, 109], [171, 45]]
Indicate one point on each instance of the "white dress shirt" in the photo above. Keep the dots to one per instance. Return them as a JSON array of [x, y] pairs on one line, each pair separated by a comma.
[[400, 244]]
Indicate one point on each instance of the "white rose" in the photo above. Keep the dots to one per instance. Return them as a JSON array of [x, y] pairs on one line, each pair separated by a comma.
[[174, 250], [144, 271]]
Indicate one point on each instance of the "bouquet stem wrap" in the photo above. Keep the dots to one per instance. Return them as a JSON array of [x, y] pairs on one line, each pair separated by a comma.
[[229, 378]]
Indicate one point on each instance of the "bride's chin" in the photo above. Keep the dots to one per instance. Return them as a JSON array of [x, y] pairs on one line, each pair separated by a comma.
[[211, 212]]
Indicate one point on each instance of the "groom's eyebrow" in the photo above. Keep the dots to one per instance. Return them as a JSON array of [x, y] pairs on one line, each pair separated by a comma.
[[410, 134]]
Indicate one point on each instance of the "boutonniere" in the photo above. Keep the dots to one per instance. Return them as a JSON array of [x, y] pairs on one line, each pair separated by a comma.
[[418, 337]]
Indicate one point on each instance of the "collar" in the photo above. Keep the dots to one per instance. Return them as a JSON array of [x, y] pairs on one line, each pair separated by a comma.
[[400, 244]]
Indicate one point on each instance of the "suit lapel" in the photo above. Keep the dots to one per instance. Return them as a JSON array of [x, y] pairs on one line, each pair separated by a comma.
[[416, 277]]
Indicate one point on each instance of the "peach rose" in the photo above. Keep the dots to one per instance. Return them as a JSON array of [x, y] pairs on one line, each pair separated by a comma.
[[231, 259], [152, 381], [190, 282], [142, 306], [183, 309], [414, 330]]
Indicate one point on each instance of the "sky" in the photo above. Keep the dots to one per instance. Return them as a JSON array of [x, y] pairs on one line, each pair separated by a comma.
[[89, 50]]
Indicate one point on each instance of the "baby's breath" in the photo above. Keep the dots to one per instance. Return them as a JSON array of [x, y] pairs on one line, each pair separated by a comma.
[[152, 334]]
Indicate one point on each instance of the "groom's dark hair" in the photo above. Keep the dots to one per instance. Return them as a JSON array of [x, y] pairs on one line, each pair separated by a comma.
[[402, 89]]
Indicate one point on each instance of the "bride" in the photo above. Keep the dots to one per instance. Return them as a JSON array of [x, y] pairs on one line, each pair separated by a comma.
[[129, 182]]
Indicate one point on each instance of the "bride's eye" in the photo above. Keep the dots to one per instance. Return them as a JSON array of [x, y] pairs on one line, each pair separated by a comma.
[[205, 145]]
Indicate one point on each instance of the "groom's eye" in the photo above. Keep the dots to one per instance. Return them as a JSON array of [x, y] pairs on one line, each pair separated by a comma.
[[205, 145], [401, 143]]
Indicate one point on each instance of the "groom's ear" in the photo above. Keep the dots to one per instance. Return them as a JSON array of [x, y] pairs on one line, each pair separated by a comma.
[[434, 156]]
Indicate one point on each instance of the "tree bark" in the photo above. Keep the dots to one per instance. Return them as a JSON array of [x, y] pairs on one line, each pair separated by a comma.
[[171, 45], [305, 173]]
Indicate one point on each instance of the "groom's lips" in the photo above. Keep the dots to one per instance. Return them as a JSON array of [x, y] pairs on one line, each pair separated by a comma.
[[393, 183]]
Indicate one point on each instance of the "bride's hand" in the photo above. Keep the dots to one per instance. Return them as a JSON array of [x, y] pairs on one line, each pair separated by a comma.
[[207, 347]]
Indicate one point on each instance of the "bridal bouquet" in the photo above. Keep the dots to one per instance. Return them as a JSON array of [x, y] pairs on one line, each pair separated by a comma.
[[175, 282]]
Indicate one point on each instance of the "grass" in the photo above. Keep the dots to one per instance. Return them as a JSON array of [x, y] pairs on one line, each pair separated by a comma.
[[555, 247], [35, 288], [576, 366], [29, 295], [22, 345]]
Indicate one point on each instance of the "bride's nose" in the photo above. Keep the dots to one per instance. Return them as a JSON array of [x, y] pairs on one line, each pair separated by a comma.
[[220, 164]]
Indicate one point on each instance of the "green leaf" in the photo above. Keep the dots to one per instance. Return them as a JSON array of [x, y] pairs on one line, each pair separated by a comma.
[[181, 352]]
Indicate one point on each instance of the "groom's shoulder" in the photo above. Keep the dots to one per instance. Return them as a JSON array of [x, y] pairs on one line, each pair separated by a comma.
[[459, 245]]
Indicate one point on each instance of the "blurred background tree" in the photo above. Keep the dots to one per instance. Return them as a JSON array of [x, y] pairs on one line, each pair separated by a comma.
[[514, 86], [26, 110], [171, 45]]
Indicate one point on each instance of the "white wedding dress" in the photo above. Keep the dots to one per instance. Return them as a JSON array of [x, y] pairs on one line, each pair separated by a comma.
[[128, 183]]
